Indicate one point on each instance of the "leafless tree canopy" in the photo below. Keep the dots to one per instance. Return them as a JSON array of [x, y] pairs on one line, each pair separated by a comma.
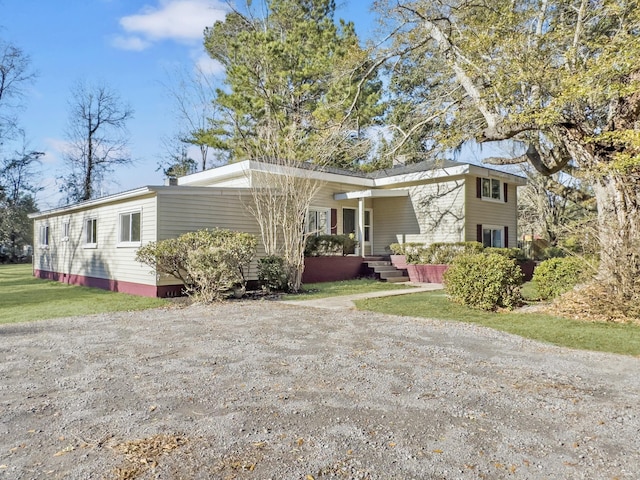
[[98, 139], [15, 73]]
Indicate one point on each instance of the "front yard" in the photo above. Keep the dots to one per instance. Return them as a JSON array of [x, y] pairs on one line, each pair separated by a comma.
[[24, 298]]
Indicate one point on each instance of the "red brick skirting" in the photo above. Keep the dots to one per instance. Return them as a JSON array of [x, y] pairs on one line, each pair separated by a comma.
[[426, 273], [331, 269], [113, 285]]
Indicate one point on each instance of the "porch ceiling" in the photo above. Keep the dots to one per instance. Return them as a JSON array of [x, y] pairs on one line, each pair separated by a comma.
[[377, 193]]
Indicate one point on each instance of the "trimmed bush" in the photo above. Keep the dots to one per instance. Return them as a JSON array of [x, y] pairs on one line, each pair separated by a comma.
[[556, 276], [407, 249], [484, 281], [167, 257], [272, 273], [329, 245], [442, 253], [513, 253], [208, 262]]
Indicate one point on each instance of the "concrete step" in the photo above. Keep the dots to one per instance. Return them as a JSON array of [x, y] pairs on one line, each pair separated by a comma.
[[377, 263], [384, 268], [397, 279], [392, 273]]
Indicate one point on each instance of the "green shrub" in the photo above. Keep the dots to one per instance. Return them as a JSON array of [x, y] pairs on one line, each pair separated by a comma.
[[553, 252], [272, 273], [442, 253], [166, 257], [484, 281], [556, 276], [208, 262], [329, 245], [512, 253], [408, 248]]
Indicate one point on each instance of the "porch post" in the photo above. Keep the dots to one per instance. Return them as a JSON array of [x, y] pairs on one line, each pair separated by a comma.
[[361, 226]]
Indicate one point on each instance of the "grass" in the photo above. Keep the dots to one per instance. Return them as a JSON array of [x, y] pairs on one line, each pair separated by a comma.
[[345, 287], [603, 337], [24, 298]]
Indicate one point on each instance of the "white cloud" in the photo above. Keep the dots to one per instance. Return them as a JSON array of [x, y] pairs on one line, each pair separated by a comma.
[[55, 150], [208, 65], [178, 20], [136, 44]]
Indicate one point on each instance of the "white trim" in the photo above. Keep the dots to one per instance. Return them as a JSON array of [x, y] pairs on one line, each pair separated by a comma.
[[392, 192], [66, 229], [128, 244], [491, 198], [494, 228], [422, 175], [327, 212], [85, 232], [44, 236]]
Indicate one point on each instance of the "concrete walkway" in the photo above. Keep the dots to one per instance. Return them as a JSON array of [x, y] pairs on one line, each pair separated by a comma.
[[346, 301]]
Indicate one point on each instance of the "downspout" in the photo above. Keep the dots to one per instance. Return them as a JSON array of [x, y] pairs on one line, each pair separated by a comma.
[[361, 226]]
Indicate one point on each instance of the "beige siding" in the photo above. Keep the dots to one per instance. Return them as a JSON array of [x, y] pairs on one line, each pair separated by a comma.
[[431, 213], [108, 259], [491, 212], [181, 213]]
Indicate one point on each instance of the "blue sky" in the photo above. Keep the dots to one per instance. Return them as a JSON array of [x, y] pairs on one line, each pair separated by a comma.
[[130, 45]]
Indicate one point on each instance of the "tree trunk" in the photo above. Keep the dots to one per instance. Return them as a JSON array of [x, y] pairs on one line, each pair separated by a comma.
[[617, 197]]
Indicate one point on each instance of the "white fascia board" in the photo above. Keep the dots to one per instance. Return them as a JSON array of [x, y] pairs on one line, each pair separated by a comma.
[[208, 177], [313, 174], [421, 176], [117, 197], [244, 169], [371, 194], [222, 191], [490, 172]]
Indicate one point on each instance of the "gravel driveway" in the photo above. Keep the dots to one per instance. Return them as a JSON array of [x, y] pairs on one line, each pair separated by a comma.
[[263, 390]]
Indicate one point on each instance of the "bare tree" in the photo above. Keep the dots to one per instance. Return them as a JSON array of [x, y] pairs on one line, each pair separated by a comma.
[[193, 96], [17, 190], [98, 139], [15, 72]]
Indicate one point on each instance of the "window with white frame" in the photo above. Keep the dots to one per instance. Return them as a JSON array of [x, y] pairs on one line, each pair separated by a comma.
[[491, 188], [318, 221], [44, 236], [492, 236], [130, 228], [91, 232], [66, 228]]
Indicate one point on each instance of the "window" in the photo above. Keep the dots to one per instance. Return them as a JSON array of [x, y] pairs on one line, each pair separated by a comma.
[[130, 227], [348, 221], [491, 188], [492, 236], [91, 232], [367, 225], [318, 221], [44, 236], [65, 230]]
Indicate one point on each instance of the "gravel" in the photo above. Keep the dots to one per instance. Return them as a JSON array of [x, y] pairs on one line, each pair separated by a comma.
[[264, 390]]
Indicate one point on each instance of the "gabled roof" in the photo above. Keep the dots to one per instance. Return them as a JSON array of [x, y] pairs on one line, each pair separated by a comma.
[[399, 174], [205, 181]]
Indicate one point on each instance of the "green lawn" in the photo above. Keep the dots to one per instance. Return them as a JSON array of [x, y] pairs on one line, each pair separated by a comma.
[[604, 337], [345, 287], [24, 298]]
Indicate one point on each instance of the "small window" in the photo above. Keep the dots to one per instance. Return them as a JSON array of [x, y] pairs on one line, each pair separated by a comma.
[[91, 232], [44, 236], [130, 227], [492, 237], [491, 188], [318, 221], [66, 227], [367, 225]]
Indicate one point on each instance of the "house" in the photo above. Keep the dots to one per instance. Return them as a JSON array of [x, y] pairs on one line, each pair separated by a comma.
[[94, 242]]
